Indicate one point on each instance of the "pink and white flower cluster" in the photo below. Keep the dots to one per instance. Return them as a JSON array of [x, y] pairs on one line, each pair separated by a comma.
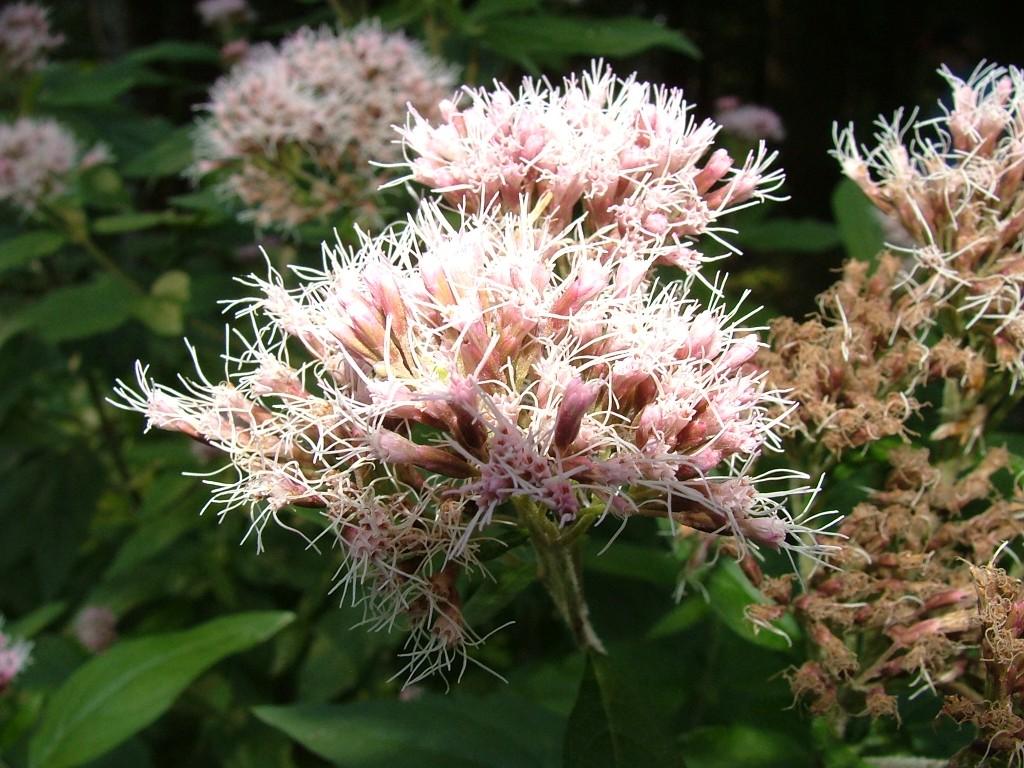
[[633, 156], [296, 126], [25, 38], [39, 159], [956, 185], [425, 389], [15, 655]]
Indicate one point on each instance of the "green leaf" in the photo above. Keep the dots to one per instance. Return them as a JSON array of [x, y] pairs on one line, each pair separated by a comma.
[[859, 227], [168, 157], [77, 85], [725, 746], [730, 592], [163, 311], [115, 695], [32, 245], [610, 725], [79, 311], [132, 222], [516, 571], [626, 560], [549, 36], [165, 516], [488, 9], [337, 655], [38, 620], [453, 731], [790, 235], [172, 285], [174, 50]]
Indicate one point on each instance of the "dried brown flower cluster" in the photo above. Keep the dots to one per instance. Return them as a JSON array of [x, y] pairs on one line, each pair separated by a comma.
[[913, 599], [999, 715], [855, 367], [902, 606]]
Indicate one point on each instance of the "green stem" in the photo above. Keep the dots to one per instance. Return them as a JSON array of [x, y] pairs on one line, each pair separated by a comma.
[[559, 570]]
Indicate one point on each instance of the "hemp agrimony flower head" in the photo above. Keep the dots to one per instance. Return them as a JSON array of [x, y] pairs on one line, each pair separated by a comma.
[[15, 655], [39, 160], [632, 155], [955, 183], [25, 38], [475, 370], [296, 126]]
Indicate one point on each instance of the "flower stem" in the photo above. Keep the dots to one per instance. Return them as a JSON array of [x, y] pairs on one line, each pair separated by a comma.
[[559, 570]]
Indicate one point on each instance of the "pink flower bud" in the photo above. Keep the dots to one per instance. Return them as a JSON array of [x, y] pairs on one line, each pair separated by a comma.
[[741, 351], [578, 398], [704, 338], [393, 448]]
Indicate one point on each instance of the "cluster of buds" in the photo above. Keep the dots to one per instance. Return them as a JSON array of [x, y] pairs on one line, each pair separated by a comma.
[[487, 367], [956, 188], [39, 161], [629, 154], [294, 128], [750, 122], [25, 38], [15, 655], [900, 607]]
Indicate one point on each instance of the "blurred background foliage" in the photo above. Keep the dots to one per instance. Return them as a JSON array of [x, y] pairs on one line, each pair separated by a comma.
[[226, 657]]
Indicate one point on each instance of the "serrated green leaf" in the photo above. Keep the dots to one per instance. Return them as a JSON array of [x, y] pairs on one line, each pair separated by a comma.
[[117, 694], [859, 227], [455, 732], [21, 249]]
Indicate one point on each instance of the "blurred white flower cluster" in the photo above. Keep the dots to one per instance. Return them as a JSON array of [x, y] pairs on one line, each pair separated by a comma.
[[39, 160], [25, 38], [295, 127]]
